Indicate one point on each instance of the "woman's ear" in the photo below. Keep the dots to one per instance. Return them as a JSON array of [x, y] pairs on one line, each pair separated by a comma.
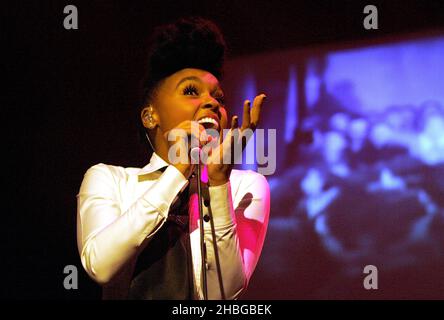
[[149, 117]]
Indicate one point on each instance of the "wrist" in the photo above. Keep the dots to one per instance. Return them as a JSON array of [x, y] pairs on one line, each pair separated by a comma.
[[218, 177], [217, 182]]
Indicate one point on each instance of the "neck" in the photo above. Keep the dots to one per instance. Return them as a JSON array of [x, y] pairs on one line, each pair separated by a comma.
[[162, 151]]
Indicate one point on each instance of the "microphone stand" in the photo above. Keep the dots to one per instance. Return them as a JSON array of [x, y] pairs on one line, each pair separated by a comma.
[[203, 246], [204, 194]]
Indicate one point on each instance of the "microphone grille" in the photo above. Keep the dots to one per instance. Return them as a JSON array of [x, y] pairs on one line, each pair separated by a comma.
[[195, 155]]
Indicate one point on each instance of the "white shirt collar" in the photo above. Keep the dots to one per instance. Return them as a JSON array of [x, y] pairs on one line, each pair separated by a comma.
[[156, 162]]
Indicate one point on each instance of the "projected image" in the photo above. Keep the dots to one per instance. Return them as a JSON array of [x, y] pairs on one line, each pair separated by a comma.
[[360, 177]]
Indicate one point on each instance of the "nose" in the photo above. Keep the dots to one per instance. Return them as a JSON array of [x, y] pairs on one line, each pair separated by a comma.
[[211, 103]]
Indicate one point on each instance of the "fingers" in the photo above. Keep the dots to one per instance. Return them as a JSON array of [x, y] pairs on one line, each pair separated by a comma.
[[203, 136], [234, 135], [198, 133], [234, 122], [249, 121], [233, 139], [226, 144], [256, 110], [246, 115], [190, 129], [251, 116]]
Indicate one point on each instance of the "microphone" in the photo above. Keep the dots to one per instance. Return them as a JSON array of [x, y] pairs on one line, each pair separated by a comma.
[[195, 154]]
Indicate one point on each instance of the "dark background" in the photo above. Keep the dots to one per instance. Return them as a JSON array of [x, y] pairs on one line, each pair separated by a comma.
[[71, 96]]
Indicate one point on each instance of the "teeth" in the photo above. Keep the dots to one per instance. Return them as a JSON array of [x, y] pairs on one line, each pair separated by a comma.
[[208, 120]]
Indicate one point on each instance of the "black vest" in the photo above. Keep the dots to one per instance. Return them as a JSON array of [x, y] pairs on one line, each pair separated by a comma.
[[164, 268]]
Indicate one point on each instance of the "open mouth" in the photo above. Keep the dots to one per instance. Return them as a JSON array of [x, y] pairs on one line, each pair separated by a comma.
[[209, 123]]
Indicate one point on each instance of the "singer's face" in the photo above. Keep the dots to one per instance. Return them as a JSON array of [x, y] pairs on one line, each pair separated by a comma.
[[189, 94]]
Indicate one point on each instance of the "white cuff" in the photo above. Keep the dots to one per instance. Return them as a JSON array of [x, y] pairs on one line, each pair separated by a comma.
[[221, 207]]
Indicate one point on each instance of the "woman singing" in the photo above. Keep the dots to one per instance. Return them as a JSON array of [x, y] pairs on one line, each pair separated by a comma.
[[138, 229]]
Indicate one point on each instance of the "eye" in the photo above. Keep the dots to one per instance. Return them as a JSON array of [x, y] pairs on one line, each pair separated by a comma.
[[190, 90], [221, 100]]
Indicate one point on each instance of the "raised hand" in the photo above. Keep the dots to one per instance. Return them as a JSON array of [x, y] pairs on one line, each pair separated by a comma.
[[221, 159]]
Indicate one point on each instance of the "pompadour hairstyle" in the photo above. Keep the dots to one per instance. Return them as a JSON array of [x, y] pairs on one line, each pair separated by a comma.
[[192, 42]]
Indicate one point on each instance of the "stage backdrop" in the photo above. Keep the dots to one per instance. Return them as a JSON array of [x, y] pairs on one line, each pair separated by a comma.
[[359, 174]]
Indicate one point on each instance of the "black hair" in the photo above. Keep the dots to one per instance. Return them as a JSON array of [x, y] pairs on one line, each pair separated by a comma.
[[192, 42]]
